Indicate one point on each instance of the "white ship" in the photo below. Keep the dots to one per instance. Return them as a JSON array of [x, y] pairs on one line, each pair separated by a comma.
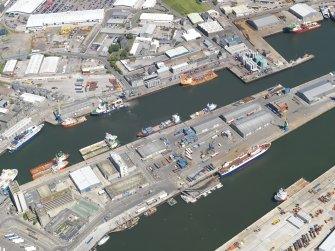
[[111, 140], [7, 176], [281, 195], [103, 240], [207, 109]]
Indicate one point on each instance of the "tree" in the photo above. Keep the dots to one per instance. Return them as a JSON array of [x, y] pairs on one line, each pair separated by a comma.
[[114, 48], [215, 2], [129, 36], [123, 54]]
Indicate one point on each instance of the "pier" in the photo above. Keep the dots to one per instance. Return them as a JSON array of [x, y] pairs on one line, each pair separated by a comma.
[[274, 231]]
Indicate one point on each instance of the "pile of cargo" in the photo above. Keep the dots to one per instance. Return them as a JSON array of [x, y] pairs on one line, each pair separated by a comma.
[[91, 86]]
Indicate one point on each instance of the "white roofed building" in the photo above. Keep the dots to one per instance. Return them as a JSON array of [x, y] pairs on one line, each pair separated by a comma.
[[242, 10], [32, 98], [49, 65], [128, 3], [303, 11], [34, 64], [210, 28], [9, 67], [87, 17], [149, 4], [85, 179], [191, 34], [176, 52], [156, 17], [24, 6]]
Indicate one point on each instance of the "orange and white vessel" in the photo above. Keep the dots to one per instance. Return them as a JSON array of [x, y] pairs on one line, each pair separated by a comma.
[[68, 122], [187, 79]]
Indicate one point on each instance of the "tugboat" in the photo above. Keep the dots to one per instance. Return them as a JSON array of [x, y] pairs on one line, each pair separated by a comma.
[[163, 125], [105, 107], [281, 195], [207, 109]]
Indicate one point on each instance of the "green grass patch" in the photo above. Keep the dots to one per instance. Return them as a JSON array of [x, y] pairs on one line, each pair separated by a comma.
[[1, 68], [186, 6]]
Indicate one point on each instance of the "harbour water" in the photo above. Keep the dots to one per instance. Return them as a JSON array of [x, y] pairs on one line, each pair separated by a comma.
[[306, 152]]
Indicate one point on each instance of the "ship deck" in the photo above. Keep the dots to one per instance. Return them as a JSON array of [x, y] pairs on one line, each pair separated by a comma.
[[93, 147]]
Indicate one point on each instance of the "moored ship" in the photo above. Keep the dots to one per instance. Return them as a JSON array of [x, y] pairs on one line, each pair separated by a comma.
[[7, 176], [103, 240], [186, 79], [331, 11], [243, 159], [68, 122], [300, 28], [207, 109], [281, 195], [163, 125], [105, 107], [325, 12], [46, 167], [24, 137]]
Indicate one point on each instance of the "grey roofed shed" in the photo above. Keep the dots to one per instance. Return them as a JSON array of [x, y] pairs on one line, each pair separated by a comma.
[[314, 92], [151, 149], [252, 123], [302, 11], [241, 111], [148, 29], [207, 125], [263, 22]]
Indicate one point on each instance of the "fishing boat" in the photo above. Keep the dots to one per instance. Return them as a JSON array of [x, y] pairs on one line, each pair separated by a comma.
[[187, 79], [105, 107]]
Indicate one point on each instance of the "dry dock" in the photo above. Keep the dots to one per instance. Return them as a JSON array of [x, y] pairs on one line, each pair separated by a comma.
[[274, 232]]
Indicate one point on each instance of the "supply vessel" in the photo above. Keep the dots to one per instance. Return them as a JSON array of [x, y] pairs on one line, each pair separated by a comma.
[[187, 79], [106, 107], [57, 163], [24, 137], [300, 28], [7, 176], [163, 125], [68, 122], [207, 109], [243, 159]]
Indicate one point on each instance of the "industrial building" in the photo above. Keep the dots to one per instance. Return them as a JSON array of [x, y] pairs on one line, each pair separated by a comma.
[[151, 149], [56, 201], [17, 128], [195, 18], [241, 112], [176, 52], [127, 3], [108, 170], [119, 163], [316, 91], [87, 17], [120, 14], [226, 9], [49, 65], [180, 68], [85, 179], [32, 98], [263, 22], [230, 41], [126, 186], [148, 30], [17, 197], [210, 28], [156, 18], [303, 11], [34, 64], [148, 4], [329, 243], [241, 10], [24, 7], [252, 123], [9, 67], [208, 125], [191, 34]]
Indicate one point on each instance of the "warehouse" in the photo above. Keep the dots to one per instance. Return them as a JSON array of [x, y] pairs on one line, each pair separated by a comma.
[[9, 67], [156, 17], [24, 6], [263, 22], [108, 170], [303, 11], [176, 52], [148, 30], [151, 149], [315, 92], [329, 243], [210, 28], [250, 124], [126, 3], [241, 112], [17, 128], [226, 9], [87, 17], [85, 179], [149, 4], [207, 125], [120, 14], [49, 65], [241, 11], [180, 68], [32, 98], [195, 18], [191, 34], [119, 164], [34, 64]]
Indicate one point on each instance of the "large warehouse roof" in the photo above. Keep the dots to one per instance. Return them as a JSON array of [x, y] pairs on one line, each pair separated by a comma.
[[32, 98], [263, 21], [49, 65], [84, 178], [126, 3], [207, 125], [302, 10], [195, 18], [191, 34], [151, 149], [241, 111], [25, 6], [34, 64], [181, 50], [252, 123], [329, 243], [63, 18], [9, 66], [149, 4], [211, 27], [156, 17], [314, 92]]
